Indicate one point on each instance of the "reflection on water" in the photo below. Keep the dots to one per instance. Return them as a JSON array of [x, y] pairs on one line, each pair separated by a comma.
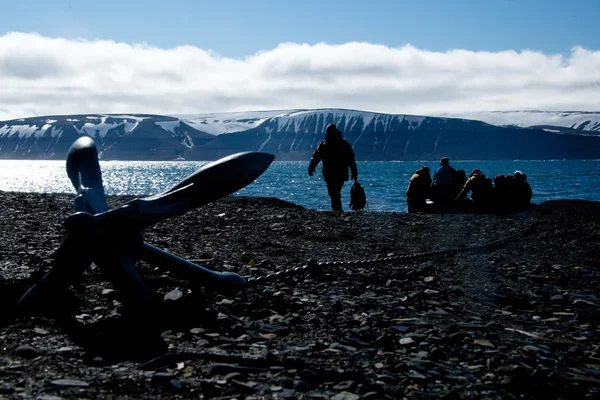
[[384, 182]]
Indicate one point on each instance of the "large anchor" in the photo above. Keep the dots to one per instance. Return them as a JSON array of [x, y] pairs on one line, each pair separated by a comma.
[[112, 238]]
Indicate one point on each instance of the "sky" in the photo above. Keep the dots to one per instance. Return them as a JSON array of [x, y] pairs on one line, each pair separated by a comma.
[[401, 57]]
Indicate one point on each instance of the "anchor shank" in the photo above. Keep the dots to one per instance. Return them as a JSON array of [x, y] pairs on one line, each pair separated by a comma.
[[227, 283]]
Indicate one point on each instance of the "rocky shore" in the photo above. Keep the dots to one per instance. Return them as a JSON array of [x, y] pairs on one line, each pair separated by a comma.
[[508, 319]]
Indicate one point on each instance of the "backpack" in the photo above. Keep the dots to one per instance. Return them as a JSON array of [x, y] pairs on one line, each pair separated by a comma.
[[358, 198]]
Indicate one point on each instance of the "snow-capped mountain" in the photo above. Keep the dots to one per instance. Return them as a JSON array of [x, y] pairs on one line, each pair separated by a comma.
[[290, 135], [132, 137], [293, 135], [576, 122]]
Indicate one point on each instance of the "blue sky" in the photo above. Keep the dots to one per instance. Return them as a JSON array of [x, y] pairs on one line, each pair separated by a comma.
[[237, 28], [393, 56]]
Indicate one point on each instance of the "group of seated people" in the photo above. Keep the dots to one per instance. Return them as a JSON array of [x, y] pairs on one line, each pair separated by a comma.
[[448, 191]]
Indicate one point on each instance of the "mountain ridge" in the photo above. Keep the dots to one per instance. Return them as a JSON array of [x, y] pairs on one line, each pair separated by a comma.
[[293, 134], [560, 121]]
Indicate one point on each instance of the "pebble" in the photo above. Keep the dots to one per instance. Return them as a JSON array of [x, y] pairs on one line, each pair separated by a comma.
[[40, 331], [26, 351], [69, 383], [173, 295], [163, 377], [345, 396], [301, 386]]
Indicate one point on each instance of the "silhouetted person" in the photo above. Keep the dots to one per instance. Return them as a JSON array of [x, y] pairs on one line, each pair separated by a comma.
[[337, 156], [460, 178], [419, 187], [502, 193], [481, 189], [520, 192], [442, 187], [444, 174]]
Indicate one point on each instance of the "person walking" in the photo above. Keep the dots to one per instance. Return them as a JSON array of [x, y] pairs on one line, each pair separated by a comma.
[[337, 156]]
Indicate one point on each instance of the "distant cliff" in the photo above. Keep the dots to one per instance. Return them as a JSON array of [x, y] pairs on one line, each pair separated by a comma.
[[118, 137], [290, 135], [576, 122]]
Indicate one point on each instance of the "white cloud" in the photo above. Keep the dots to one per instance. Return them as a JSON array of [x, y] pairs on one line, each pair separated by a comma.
[[41, 76]]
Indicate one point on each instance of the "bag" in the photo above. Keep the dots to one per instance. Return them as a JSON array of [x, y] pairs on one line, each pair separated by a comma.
[[358, 198]]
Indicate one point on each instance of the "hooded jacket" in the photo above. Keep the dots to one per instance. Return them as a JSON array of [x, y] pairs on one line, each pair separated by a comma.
[[336, 154]]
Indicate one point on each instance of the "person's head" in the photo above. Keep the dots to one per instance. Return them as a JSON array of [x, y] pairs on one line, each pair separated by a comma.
[[444, 161], [332, 132], [476, 172], [424, 170], [520, 176], [461, 175]]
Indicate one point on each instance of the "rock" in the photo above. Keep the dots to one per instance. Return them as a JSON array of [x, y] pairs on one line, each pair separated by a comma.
[[301, 386], [309, 376], [585, 304], [66, 350], [26, 351], [345, 396], [558, 299], [173, 295], [344, 385], [575, 351], [406, 340], [69, 383], [6, 388]]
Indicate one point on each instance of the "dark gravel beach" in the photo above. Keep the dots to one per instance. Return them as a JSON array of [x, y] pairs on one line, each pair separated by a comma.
[[516, 319]]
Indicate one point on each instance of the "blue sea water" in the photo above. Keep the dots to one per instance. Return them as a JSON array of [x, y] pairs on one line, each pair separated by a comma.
[[385, 182]]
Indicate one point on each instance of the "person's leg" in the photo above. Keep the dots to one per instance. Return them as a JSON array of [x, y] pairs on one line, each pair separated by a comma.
[[334, 188]]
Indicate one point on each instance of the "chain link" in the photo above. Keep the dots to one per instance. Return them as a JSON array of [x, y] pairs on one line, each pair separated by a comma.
[[315, 266]]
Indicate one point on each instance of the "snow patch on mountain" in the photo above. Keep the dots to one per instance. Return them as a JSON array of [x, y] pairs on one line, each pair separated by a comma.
[[102, 127], [227, 122], [96, 129], [188, 142], [56, 131], [43, 130], [169, 126], [262, 145], [22, 131]]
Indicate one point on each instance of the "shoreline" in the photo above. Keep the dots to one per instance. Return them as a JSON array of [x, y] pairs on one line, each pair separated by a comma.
[[519, 319]]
